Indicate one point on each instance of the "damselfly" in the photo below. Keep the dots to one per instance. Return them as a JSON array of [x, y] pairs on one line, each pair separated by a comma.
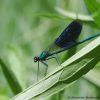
[[66, 40]]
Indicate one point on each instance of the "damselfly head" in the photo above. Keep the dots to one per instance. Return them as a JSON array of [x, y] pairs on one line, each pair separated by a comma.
[[36, 59]]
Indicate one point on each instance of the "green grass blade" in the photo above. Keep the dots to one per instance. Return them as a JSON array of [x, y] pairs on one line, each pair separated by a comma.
[[10, 77], [72, 15]]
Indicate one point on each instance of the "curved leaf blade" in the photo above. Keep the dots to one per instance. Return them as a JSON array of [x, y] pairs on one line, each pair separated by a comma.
[[80, 64]]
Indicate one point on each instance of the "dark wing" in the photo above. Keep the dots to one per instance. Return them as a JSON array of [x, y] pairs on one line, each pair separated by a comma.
[[67, 38], [69, 35]]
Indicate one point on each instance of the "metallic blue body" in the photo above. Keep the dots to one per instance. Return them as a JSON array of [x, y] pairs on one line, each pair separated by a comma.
[[43, 55]]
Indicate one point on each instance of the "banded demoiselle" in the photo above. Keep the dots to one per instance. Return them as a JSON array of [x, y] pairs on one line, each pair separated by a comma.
[[66, 40]]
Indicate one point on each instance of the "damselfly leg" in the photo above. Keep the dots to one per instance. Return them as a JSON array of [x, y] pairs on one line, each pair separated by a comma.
[[56, 58], [38, 71], [46, 65]]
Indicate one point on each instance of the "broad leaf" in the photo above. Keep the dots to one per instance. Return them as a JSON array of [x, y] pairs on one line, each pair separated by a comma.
[[76, 66]]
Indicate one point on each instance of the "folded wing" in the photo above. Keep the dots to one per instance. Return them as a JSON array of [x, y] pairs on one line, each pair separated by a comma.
[[69, 35]]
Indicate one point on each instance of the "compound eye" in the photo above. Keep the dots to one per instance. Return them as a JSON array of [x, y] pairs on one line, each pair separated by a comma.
[[35, 59]]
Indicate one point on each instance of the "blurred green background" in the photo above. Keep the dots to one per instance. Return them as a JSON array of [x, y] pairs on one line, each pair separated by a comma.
[[27, 27]]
